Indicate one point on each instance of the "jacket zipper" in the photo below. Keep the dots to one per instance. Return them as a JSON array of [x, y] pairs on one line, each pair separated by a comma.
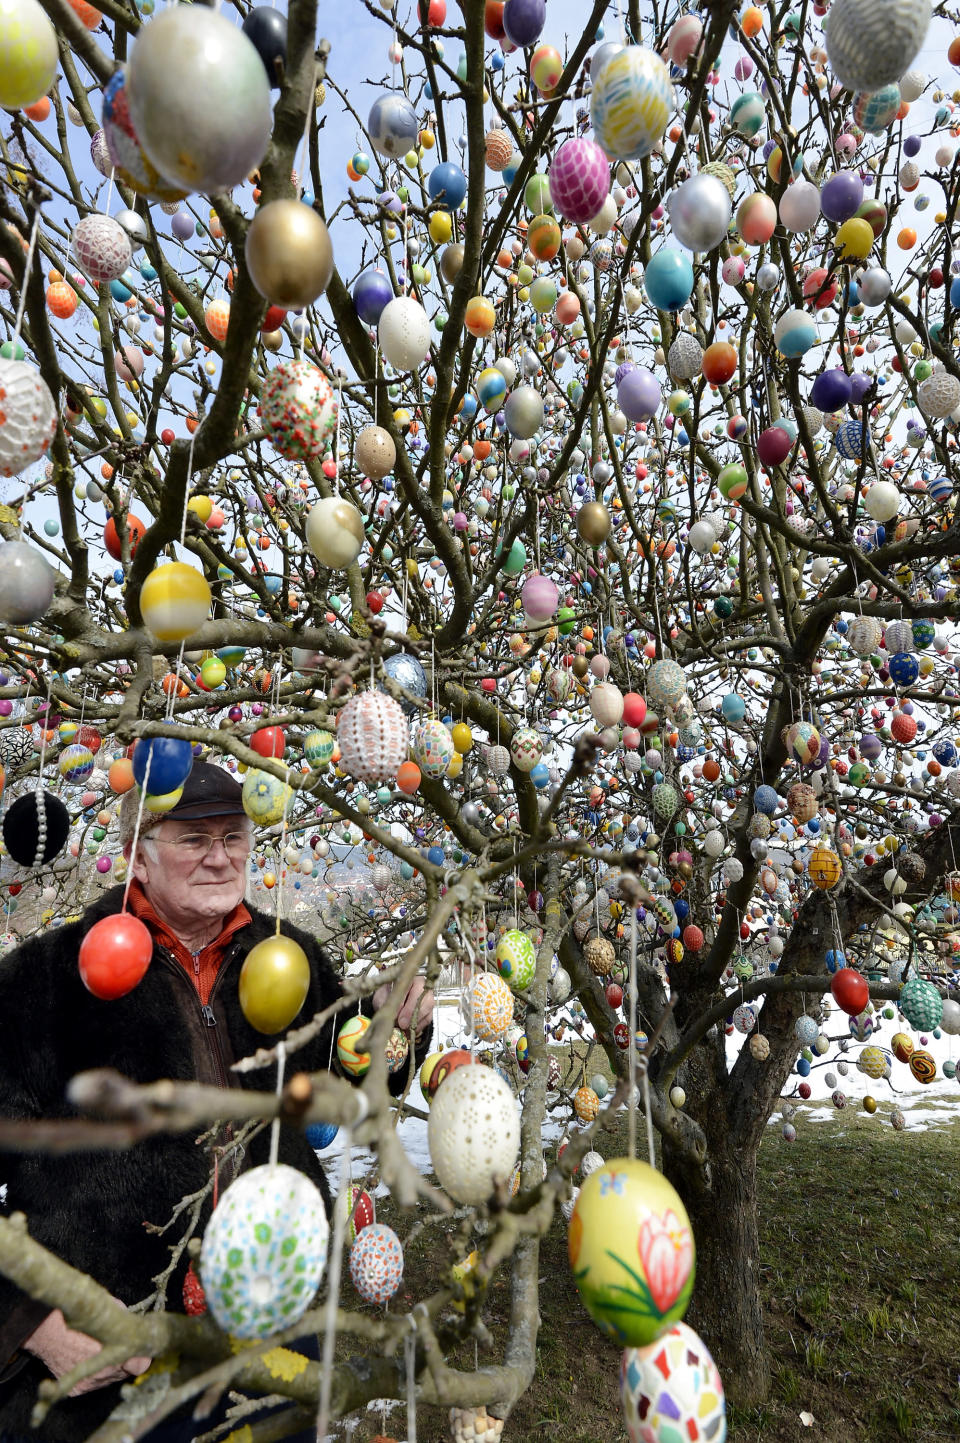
[[207, 1014]]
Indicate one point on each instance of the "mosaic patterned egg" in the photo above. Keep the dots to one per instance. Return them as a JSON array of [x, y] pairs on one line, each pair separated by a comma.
[[264, 1251], [632, 1252], [491, 1002], [921, 1004], [666, 683], [579, 180], [806, 1029], [516, 959], [875, 111], [432, 748], [474, 1133], [599, 955], [526, 748], [298, 410], [666, 800], [265, 797], [102, 247], [631, 103], [75, 763], [318, 748], [376, 1263], [28, 417], [374, 737], [671, 1391]]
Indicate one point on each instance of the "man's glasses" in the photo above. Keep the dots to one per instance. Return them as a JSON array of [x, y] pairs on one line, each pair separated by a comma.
[[196, 845]]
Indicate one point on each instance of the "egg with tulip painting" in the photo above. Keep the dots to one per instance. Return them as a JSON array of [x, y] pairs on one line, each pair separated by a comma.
[[632, 1252]]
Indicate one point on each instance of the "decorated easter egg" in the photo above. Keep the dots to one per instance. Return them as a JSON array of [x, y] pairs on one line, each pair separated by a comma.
[[161, 764], [921, 1004], [298, 410], [490, 1002], [174, 601], [101, 246], [265, 797], [114, 955], [871, 43], [350, 1045], [516, 959], [374, 737], [632, 1251], [432, 747], [392, 125], [28, 417], [318, 748], [264, 1251], [671, 1391], [579, 179], [474, 1134], [36, 827], [376, 1263], [631, 103], [404, 333], [125, 153], [75, 763], [526, 748]]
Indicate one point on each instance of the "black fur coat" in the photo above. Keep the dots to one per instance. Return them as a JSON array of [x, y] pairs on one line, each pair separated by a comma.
[[90, 1208]]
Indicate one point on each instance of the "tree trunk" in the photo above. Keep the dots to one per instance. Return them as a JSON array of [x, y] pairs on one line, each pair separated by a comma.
[[726, 1309]]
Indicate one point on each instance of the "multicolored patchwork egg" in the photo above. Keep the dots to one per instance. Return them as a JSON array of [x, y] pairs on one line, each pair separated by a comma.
[[516, 959], [432, 748], [264, 1251], [671, 1391], [376, 1263], [632, 1251]]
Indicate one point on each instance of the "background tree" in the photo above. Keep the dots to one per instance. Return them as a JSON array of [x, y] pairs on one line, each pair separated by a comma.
[[676, 573]]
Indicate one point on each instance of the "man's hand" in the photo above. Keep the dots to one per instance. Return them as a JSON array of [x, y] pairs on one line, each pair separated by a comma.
[[60, 1349], [418, 994]]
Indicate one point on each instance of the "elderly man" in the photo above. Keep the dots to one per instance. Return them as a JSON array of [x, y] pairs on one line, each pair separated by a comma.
[[184, 1021]]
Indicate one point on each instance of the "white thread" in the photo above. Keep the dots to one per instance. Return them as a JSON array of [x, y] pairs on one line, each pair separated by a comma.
[[275, 1125], [340, 1211]]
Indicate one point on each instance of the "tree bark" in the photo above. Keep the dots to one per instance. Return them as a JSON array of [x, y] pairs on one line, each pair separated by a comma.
[[726, 1310]]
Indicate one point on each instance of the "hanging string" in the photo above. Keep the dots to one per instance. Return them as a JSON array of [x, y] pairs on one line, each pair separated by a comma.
[[136, 830], [282, 867], [340, 1211], [186, 491], [31, 248], [632, 1050], [106, 209], [275, 1125], [651, 1154], [336, 438]]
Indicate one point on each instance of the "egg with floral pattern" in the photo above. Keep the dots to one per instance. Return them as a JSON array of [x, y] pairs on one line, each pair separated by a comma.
[[632, 1252]]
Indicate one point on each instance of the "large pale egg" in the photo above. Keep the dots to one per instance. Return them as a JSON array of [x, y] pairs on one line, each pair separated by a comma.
[[474, 1134]]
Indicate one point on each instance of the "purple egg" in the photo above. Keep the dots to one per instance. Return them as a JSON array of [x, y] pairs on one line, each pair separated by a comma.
[[182, 225], [523, 20], [579, 180], [624, 369], [371, 293], [773, 446], [841, 196], [831, 390], [859, 386], [638, 394], [911, 146]]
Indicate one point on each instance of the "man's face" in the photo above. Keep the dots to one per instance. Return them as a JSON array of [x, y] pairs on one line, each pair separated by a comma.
[[189, 884]]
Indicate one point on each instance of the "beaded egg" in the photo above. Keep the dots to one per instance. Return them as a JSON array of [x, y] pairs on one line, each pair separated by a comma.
[[374, 737], [102, 247], [474, 1134], [631, 1250], [671, 1391], [28, 417], [921, 1004], [376, 1263], [871, 43], [298, 410], [491, 1003], [264, 1251]]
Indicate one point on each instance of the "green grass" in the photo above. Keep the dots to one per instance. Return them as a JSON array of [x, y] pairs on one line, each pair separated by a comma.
[[860, 1278]]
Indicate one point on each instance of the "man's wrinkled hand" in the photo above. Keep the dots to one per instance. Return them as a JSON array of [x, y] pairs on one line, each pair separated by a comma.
[[418, 1000], [61, 1349]]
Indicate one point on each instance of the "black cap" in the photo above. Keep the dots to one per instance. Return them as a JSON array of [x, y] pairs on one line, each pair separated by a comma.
[[209, 791]]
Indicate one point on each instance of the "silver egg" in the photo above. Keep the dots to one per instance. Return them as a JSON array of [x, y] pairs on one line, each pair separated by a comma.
[[408, 673], [768, 276], [699, 212]]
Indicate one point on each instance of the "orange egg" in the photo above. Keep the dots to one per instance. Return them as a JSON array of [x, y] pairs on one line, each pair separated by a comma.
[[39, 110], [907, 238], [61, 300], [408, 777], [751, 21]]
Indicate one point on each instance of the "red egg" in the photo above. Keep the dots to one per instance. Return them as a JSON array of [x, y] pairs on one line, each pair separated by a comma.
[[269, 741], [111, 536], [850, 991], [114, 955]]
